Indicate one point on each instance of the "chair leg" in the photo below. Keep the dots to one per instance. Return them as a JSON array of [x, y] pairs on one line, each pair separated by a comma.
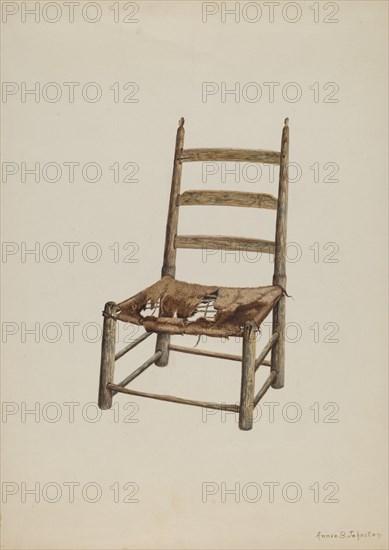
[[163, 341], [278, 351], [107, 367], [246, 407]]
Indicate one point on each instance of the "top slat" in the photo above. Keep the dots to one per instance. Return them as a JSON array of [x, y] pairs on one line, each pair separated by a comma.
[[239, 155]]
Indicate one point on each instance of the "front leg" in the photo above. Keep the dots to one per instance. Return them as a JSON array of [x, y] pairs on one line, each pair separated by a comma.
[[107, 367], [246, 407]]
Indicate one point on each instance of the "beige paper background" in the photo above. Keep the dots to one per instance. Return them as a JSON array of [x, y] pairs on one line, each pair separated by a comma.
[[171, 450]]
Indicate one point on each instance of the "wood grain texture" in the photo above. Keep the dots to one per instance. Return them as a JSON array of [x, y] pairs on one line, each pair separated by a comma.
[[227, 198], [169, 256], [173, 399], [248, 378], [224, 243], [238, 155], [279, 278], [107, 365]]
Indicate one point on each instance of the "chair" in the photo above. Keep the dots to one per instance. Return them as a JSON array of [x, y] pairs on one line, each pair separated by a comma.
[[185, 308]]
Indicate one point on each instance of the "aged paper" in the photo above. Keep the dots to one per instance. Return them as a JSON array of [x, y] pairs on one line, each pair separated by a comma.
[[92, 93]]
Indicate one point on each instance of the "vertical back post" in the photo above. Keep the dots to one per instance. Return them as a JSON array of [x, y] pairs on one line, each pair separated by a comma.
[[279, 277], [169, 257]]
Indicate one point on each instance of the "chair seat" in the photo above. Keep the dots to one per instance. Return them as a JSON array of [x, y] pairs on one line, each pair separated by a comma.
[[189, 308]]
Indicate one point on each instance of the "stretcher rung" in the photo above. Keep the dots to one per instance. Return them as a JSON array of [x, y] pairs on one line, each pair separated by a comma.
[[174, 399], [206, 353]]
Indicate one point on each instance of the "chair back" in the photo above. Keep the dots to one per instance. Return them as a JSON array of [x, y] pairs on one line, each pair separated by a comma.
[[228, 198]]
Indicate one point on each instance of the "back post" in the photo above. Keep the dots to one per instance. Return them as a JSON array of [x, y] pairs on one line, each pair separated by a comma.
[[279, 277], [169, 257]]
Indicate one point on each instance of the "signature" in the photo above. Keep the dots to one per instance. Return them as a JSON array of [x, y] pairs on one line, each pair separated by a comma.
[[358, 535]]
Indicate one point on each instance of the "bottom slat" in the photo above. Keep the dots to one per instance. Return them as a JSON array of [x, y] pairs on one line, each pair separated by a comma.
[[173, 399]]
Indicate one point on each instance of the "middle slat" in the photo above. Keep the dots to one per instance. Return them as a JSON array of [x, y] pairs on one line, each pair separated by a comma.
[[227, 198], [224, 243]]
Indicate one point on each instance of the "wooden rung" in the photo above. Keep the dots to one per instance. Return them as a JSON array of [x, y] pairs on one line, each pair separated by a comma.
[[260, 360], [220, 406], [139, 370], [269, 380], [224, 243], [132, 345], [239, 155], [227, 198], [207, 353]]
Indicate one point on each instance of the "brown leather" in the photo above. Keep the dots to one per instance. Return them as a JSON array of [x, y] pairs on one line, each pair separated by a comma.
[[179, 300]]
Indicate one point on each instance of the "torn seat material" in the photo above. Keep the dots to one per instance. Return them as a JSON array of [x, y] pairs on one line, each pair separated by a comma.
[[189, 308]]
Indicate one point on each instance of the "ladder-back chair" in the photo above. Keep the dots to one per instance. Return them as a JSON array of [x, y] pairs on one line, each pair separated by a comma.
[[171, 307]]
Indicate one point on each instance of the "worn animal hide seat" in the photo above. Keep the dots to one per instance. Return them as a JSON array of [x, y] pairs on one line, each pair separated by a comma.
[[188, 308]]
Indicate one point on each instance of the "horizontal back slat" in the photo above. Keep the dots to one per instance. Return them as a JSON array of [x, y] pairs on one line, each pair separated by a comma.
[[239, 155], [224, 243], [227, 198]]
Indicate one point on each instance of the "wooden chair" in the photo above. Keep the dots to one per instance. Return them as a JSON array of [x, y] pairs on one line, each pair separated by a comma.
[[216, 311]]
